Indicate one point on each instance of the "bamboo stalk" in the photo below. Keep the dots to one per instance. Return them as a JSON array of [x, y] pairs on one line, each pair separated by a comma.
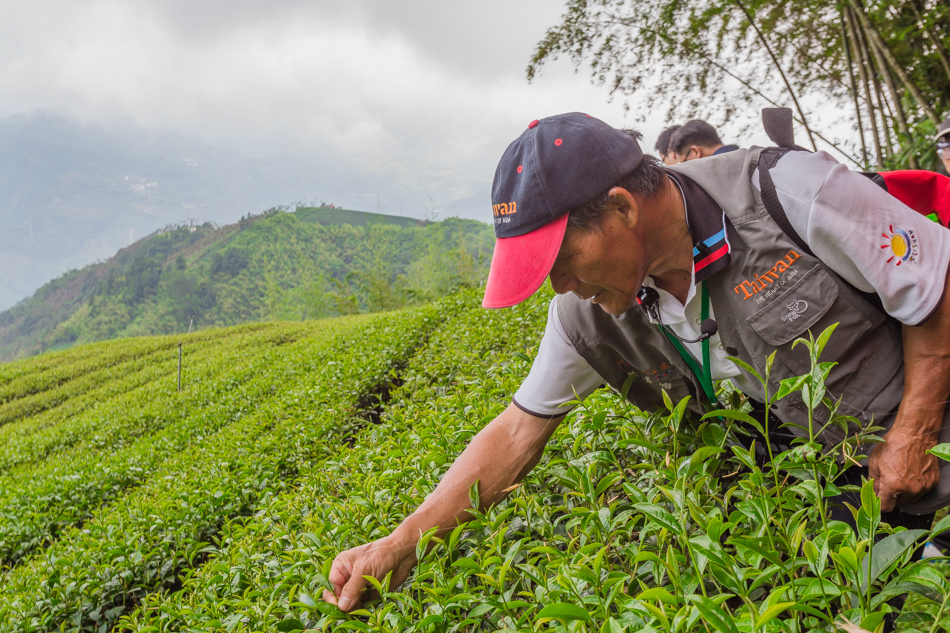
[[885, 71], [882, 105], [778, 67], [863, 68], [880, 46], [887, 115], [846, 44]]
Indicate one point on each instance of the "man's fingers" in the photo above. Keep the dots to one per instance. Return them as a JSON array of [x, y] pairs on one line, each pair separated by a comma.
[[340, 572], [886, 494], [352, 592]]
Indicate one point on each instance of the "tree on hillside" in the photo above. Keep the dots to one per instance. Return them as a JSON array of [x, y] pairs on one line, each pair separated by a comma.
[[884, 63]]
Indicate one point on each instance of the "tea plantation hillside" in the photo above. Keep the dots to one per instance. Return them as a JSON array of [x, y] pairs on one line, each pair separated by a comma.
[[311, 263], [127, 505]]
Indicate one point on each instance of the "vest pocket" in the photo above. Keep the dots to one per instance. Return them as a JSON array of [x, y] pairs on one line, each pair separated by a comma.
[[796, 309], [867, 353]]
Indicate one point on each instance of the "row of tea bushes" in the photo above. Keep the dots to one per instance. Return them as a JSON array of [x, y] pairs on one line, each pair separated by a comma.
[[301, 401], [54, 369], [126, 440], [99, 412]]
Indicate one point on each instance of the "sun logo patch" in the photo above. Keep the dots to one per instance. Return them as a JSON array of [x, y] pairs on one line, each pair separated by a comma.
[[902, 244]]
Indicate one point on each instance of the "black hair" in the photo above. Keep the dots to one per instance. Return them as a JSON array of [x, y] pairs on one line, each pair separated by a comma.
[[645, 180], [663, 141], [695, 132]]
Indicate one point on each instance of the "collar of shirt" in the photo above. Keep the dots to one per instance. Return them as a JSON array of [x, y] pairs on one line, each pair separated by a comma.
[[711, 251], [707, 224]]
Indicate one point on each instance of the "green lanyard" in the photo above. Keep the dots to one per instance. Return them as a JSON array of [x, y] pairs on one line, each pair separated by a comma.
[[703, 376]]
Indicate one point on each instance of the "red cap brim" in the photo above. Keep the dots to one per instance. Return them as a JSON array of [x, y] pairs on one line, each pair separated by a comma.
[[520, 264]]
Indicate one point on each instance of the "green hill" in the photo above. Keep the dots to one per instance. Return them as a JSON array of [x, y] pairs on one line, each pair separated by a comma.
[[311, 263]]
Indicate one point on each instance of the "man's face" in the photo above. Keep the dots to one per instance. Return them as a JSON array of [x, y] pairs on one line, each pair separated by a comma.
[[604, 265], [943, 151]]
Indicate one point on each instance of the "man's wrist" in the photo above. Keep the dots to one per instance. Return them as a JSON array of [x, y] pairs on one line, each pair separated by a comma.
[[405, 538], [913, 432], [918, 422]]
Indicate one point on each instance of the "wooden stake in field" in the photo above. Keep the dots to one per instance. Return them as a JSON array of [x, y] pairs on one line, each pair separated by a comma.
[[179, 367]]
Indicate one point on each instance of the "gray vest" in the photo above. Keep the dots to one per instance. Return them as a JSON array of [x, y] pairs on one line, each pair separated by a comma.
[[770, 294]]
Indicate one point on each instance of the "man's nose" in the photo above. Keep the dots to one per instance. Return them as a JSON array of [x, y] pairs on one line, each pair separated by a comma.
[[563, 283]]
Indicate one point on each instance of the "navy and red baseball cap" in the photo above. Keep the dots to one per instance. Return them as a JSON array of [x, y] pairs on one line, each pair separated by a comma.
[[556, 165]]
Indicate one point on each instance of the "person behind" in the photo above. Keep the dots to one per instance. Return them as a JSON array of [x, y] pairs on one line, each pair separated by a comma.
[[577, 202], [942, 144], [697, 139], [663, 145]]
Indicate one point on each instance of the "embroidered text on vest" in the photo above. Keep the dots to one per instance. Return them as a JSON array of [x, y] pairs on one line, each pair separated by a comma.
[[759, 283]]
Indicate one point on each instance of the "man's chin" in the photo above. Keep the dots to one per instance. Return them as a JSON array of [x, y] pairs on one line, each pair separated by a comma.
[[614, 309]]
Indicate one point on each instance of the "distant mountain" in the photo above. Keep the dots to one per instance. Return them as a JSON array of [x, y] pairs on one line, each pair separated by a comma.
[[312, 263], [73, 193]]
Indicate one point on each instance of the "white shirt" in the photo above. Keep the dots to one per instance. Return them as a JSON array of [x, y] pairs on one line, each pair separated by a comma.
[[851, 224]]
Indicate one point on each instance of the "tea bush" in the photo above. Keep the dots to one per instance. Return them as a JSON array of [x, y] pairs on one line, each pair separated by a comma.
[[227, 515], [139, 386]]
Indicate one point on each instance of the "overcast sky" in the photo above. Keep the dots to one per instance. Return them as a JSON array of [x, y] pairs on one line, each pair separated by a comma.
[[417, 98]]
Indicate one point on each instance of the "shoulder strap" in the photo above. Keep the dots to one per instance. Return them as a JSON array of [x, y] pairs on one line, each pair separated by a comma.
[[778, 125], [767, 160]]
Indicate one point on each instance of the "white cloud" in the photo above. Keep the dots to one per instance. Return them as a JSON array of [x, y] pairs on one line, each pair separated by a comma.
[[418, 97]]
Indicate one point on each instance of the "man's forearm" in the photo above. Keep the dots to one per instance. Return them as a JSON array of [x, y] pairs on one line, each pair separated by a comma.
[[926, 373], [499, 456], [901, 467]]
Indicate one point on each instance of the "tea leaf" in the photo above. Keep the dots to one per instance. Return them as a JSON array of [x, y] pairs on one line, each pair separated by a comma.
[[660, 516], [562, 611], [291, 624], [941, 450], [714, 614], [772, 612], [888, 551]]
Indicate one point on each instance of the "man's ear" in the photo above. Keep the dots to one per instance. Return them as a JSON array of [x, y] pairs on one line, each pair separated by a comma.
[[623, 202]]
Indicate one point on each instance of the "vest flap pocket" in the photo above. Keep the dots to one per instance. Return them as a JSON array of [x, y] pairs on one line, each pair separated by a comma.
[[795, 309]]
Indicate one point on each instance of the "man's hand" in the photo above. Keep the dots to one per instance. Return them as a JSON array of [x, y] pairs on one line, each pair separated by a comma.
[[500, 455], [375, 559], [902, 469]]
